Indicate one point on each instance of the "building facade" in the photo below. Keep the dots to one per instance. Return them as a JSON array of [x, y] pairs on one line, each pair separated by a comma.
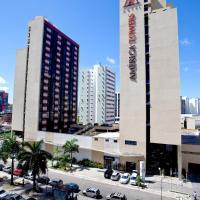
[[97, 95], [117, 107], [46, 81], [150, 103], [3, 101]]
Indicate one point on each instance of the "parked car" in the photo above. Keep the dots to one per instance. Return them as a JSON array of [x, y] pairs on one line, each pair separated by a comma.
[[14, 197], [56, 182], [116, 195], [125, 178], [43, 180], [72, 188], [115, 176], [3, 194], [133, 179], [1, 167], [29, 175], [92, 192], [18, 172], [7, 169], [108, 173]]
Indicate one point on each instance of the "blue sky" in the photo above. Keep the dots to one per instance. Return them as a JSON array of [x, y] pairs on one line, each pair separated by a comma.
[[94, 24]]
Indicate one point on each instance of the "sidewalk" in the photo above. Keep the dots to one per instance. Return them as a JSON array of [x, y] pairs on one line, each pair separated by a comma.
[[171, 187]]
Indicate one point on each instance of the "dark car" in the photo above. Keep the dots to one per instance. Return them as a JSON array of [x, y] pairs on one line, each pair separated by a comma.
[[14, 197], [92, 192], [116, 195], [1, 167], [72, 188], [108, 173], [43, 180]]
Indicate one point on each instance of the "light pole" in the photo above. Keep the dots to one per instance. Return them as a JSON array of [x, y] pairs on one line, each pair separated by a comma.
[[13, 156], [160, 183]]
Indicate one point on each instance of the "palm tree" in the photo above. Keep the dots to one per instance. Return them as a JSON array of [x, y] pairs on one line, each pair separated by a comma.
[[71, 147], [10, 149], [34, 158], [56, 155]]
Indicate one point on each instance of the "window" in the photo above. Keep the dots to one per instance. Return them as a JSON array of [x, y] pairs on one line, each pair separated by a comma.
[[95, 139], [115, 141], [107, 140], [130, 142]]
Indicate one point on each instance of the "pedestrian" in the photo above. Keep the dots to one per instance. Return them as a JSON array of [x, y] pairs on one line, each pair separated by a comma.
[[195, 195]]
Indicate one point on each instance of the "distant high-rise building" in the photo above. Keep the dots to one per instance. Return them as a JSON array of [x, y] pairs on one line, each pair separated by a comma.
[[46, 82], [187, 107], [182, 105], [3, 101], [117, 107], [193, 106], [97, 95]]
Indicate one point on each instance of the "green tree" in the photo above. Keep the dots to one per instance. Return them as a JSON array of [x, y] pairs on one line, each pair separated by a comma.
[[71, 147], [64, 160], [56, 155], [10, 149], [34, 158], [139, 181]]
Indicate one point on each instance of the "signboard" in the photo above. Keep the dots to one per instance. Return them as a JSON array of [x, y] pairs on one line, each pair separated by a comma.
[[132, 47], [130, 3]]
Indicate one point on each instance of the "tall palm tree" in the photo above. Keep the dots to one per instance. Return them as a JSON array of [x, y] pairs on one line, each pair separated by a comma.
[[71, 147], [10, 149], [34, 158]]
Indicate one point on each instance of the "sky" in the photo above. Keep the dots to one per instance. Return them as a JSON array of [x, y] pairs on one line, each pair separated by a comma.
[[94, 24]]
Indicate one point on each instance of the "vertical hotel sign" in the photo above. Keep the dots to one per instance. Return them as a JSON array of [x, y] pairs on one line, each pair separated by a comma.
[[132, 41]]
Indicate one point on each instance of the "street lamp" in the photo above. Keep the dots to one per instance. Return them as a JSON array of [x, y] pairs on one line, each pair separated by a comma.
[[13, 156], [160, 183]]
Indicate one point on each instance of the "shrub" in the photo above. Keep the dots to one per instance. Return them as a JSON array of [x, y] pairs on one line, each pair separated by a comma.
[[90, 163]]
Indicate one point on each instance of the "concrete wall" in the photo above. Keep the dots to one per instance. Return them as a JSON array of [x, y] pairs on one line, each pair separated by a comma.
[[164, 77], [132, 94], [190, 154], [19, 90], [157, 4], [33, 79]]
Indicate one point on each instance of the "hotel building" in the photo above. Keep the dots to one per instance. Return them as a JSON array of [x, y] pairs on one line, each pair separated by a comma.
[[46, 81], [97, 95], [150, 100]]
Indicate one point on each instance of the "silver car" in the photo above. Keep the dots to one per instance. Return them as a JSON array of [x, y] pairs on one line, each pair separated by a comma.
[[92, 192], [115, 176], [56, 182]]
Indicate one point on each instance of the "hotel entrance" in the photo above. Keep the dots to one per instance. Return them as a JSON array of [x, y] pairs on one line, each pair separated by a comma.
[[108, 162]]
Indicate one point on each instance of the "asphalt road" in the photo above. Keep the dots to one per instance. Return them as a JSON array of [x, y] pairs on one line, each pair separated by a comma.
[[107, 188]]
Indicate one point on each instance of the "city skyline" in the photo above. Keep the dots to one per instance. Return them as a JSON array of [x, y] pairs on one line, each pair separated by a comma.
[[104, 30]]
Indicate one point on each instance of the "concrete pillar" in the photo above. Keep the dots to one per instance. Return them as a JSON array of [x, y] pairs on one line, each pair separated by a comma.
[[179, 158]]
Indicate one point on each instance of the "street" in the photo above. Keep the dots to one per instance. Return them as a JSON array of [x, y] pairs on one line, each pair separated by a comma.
[[106, 188]]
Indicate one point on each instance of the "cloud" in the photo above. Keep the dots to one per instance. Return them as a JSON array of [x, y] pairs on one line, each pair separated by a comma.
[[110, 60], [186, 69], [3, 84], [185, 42], [4, 88], [2, 81]]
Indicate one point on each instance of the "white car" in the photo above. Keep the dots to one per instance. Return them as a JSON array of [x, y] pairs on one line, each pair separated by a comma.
[[3, 194], [133, 179], [125, 178], [115, 176]]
